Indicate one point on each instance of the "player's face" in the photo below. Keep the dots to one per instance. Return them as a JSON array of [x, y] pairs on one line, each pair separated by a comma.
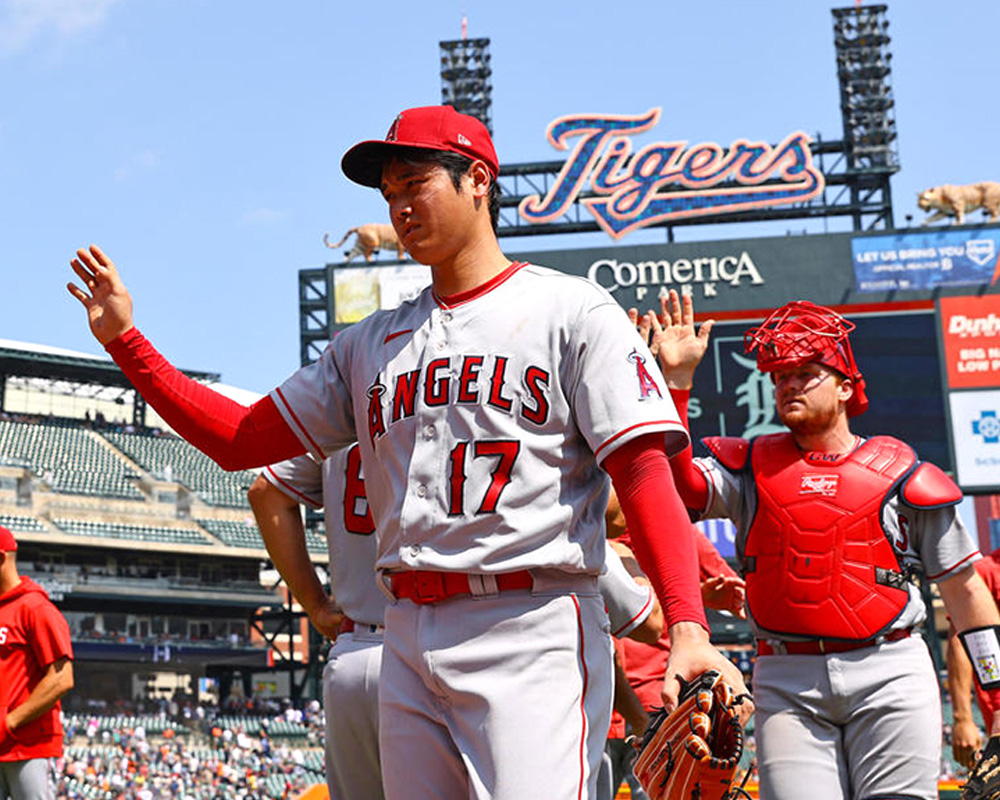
[[808, 397], [431, 217]]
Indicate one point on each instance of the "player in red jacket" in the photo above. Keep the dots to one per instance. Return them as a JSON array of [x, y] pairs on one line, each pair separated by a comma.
[[35, 671]]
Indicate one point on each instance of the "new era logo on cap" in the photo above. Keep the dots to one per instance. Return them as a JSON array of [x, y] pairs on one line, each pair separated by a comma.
[[430, 128]]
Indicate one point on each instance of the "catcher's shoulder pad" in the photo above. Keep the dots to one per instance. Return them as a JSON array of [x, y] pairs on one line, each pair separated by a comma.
[[928, 487], [984, 778], [733, 453]]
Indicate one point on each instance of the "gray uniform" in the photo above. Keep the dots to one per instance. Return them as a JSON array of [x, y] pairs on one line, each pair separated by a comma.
[[350, 678], [481, 422], [859, 724]]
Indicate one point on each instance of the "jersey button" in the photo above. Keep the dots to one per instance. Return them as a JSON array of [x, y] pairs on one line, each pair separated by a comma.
[[440, 344], [421, 491], [414, 549], [446, 317], [429, 432]]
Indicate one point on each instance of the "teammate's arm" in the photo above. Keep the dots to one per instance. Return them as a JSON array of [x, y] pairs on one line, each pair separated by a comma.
[[651, 628], [57, 680], [627, 702], [970, 605], [234, 435], [280, 523], [662, 541], [965, 737]]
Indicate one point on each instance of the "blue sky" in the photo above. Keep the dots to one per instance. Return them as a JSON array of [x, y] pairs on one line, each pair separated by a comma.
[[198, 141]]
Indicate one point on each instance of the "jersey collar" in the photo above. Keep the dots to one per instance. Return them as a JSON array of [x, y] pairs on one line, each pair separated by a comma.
[[484, 288]]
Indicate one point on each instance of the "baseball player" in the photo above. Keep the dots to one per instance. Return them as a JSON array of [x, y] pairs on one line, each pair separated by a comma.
[[354, 615], [831, 527], [485, 410], [35, 671], [966, 738]]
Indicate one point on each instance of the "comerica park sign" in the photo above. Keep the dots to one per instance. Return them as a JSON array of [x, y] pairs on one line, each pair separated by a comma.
[[666, 181]]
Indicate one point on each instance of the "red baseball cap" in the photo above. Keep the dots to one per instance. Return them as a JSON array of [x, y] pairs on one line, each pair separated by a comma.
[[8, 544], [429, 127]]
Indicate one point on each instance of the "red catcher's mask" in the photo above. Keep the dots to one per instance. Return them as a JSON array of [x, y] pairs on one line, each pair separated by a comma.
[[801, 332]]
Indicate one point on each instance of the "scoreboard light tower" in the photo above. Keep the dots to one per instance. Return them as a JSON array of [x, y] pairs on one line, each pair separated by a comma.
[[465, 77], [861, 39]]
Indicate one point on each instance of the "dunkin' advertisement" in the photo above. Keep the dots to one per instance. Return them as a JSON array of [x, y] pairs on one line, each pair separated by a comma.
[[970, 334], [970, 330]]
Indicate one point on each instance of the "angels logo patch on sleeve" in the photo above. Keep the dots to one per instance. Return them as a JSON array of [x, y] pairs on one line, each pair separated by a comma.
[[647, 386]]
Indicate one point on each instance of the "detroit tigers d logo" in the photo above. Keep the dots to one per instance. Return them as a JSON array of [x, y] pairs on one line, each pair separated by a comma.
[[647, 386]]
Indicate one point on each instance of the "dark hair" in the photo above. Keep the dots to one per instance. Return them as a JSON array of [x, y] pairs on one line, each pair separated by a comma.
[[457, 167]]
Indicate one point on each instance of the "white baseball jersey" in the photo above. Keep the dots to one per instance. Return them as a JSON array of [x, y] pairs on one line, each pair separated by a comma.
[[628, 603], [933, 541], [482, 420], [338, 487]]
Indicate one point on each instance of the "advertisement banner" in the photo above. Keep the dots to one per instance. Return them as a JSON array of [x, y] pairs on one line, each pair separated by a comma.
[[926, 259], [970, 330], [975, 431]]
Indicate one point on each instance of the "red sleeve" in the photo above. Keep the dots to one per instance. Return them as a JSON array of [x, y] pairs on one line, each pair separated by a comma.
[[233, 435], [710, 563], [50, 639], [691, 484], [658, 525]]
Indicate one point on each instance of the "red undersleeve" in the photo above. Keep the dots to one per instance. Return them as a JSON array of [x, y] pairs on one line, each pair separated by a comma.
[[233, 435], [689, 479], [659, 527]]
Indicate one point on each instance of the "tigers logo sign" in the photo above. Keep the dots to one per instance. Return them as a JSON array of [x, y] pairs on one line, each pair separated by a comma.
[[670, 180]]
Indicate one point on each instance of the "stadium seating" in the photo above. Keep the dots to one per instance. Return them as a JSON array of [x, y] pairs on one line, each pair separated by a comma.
[[141, 533], [171, 458], [70, 458], [20, 524], [244, 534]]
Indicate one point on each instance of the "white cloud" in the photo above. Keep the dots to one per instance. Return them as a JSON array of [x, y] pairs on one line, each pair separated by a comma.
[[22, 21]]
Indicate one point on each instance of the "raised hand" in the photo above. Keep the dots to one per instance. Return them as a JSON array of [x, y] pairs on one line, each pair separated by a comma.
[[675, 343], [725, 593], [108, 303]]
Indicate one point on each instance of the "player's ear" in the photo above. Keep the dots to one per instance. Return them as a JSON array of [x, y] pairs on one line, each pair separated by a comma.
[[481, 179], [845, 390]]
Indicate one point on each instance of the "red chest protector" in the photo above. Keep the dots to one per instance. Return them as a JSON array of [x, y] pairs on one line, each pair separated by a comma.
[[818, 562]]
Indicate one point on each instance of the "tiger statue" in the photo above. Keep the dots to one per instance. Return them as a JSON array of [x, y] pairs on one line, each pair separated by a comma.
[[371, 237], [957, 201]]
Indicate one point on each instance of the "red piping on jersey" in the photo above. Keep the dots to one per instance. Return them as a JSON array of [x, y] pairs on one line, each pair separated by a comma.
[[583, 698], [292, 490], [954, 566], [485, 288], [396, 335], [672, 423], [295, 417], [649, 602]]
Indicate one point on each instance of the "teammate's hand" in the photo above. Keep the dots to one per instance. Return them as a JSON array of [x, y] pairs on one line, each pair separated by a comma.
[[691, 654], [675, 343], [108, 303], [327, 618], [725, 593], [966, 740]]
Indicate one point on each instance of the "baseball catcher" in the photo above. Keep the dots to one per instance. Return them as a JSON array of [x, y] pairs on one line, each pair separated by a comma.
[[692, 752]]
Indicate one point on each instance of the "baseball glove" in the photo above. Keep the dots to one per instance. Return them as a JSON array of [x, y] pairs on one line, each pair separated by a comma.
[[984, 778], [692, 753]]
